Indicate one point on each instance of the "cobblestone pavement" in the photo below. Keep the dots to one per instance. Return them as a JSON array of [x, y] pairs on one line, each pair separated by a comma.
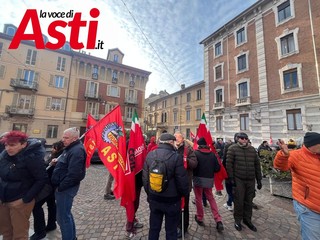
[[97, 218]]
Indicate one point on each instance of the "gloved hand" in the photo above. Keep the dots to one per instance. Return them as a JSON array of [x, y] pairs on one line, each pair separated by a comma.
[[259, 184]]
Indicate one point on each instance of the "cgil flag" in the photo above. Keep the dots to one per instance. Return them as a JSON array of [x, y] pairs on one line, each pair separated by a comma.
[[89, 139], [109, 138], [136, 154]]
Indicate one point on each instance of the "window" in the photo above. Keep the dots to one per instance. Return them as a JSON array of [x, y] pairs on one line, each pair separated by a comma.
[[109, 107], [52, 131], [241, 36], [287, 43], [219, 96], [219, 123], [81, 69], [188, 133], [92, 108], [294, 121], [29, 76], [88, 70], [57, 81], [114, 76], [55, 104], [11, 31], [91, 90], [95, 72], [176, 101], [129, 112], [20, 127], [291, 78], [243, 90], [198, 114], [61, 64], [164, 117], [175, 117], [244, 122], [217, 49], [188, 115], [242, 63], [116, 58], [164, 104], [199, 94], [188, 97], [218, 72], [113, 91], [31, 57], [284, 11]]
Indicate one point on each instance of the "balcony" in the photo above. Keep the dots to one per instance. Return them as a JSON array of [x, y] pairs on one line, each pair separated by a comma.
[[90, 95], [162, 125], [218, 105], [15, 110], [114, 80], [130, 100], [243, 101], [25, 84], [85, 116]]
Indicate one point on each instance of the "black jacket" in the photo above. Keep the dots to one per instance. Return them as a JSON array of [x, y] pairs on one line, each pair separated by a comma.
[[24, 174], [177, 175], [207, 165], [70, 168], [243, 163]]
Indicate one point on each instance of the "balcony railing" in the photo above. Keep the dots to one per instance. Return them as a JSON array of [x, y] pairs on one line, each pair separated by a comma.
[[85, 116], [25, 84], [13, 109], [89, 95], [243, 101], [218, 105], [130, 100]]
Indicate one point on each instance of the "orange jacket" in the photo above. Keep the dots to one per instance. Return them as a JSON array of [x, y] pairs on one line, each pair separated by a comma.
[[305, 171]]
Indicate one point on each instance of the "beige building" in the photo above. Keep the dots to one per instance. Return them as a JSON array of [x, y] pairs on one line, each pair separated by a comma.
[[180, 111], [261, 72], [43, 92]]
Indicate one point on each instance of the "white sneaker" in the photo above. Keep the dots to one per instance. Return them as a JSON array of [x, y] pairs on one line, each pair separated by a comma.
[[230, 208]]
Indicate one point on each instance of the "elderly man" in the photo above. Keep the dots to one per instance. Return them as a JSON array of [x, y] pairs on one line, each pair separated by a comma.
[[165, 202], [186, 151], [66, 177], [304, 164]]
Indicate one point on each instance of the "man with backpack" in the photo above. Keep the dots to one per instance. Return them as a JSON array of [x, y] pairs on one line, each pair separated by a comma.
[[165, 181]]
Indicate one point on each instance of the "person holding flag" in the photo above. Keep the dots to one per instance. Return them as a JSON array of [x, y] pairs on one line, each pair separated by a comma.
[[136, 154], [190, 160]]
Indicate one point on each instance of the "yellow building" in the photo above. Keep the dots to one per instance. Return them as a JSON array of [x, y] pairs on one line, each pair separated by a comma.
[[43, 92], [180, 111]]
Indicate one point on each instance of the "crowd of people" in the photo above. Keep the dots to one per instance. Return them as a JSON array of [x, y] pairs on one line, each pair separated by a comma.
[[28, 181]]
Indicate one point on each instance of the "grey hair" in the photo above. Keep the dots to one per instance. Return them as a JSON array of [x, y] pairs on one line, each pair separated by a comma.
[[179, 133], [74, 132], [167, 141]]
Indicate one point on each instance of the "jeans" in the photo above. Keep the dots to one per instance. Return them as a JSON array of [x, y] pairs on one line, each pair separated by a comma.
[[309, 221], [64, 201], [158, 210], [229, 187]]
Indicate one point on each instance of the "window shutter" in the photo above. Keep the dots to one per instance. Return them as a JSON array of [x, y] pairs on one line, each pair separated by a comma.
[[15, 99], [51, 82], [48, 103], [19, 73], [36, 77], [32, 105], [108, 90], [65, 82], [63, 103]]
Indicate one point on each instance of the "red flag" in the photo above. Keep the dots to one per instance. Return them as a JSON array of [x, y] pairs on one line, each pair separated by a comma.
[[192, 136], [136, 154], [89, 139], [111, 144], [203, 131]]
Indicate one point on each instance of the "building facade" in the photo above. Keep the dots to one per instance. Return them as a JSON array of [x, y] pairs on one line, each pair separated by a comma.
[[180, 111], [261, 72], [43, 92]]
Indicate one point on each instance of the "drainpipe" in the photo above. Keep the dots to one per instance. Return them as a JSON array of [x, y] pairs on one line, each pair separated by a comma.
[[68, 89], [314, 45], [228, 72]]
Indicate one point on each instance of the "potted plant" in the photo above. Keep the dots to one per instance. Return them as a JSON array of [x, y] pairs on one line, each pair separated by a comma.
[[280, 181]]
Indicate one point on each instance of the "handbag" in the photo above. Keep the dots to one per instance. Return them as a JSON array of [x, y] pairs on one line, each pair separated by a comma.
[[45, 192]]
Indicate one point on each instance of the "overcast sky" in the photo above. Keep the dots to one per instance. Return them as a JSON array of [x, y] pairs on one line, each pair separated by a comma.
[[160, 36]]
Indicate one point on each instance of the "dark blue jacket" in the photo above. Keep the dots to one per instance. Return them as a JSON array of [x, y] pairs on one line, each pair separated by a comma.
[[177, 175], [24, 174], [70, 168]]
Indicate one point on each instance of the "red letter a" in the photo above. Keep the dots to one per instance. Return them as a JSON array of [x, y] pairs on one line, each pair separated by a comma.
[[31, 14]]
